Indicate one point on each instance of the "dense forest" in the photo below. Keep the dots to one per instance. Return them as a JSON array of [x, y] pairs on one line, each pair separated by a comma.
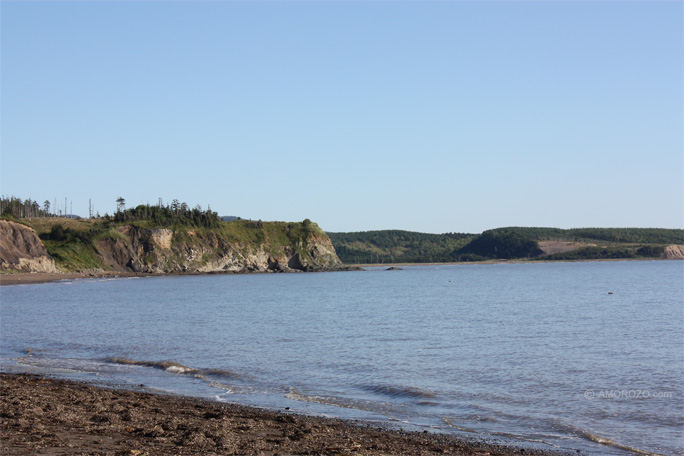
[[611, 235], [395, 246], [392, 246], [501, 243]]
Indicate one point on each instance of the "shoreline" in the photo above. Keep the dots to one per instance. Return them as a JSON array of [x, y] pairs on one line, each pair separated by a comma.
[[51, 416], [513, 261], [29, 278]]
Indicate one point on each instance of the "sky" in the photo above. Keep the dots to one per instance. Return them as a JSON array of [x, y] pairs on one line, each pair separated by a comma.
[[437, 116]]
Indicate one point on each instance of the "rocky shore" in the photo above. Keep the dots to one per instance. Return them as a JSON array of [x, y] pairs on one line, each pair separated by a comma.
[[47, 416]]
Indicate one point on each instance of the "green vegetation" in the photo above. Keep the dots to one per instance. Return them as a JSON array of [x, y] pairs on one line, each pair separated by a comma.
[[176, 214], [12, 207], [502, 243], [611, 235], [395, 246], [392, 246], [73, 246], [272, 235], [607, 253]]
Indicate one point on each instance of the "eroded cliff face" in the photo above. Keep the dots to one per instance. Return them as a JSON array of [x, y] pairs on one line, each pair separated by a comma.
[[163, 251], [22, 250], [674, 252]]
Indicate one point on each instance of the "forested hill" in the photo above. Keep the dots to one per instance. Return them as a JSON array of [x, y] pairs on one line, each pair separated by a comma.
[[395, 246]]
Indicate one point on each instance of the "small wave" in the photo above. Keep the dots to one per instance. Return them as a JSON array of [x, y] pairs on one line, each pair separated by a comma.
[[479, 418], [221, 373], [449, 422], [532, 439], [231, 389], [366, 406], [168, 366], [428, 403], [587, 435], [399, 391], [605, 441], [227, 388], [176, 368], [61, 364], [325, 400]]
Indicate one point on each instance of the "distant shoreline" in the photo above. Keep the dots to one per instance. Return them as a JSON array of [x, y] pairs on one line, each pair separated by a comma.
[[29, 278], [514, 261]]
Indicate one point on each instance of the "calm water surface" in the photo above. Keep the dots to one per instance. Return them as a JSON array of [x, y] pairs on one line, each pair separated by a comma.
[[582, 356]]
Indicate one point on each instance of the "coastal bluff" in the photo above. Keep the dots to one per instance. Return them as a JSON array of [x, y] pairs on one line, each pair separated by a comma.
[[22, 250], [62, 245]]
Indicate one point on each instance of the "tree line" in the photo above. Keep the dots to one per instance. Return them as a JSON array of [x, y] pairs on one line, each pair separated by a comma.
[[18, 208], [611, 235], [175, 213], [394, 246], [161, 215]]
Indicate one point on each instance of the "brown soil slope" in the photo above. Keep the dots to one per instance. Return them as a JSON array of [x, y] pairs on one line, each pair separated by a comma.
[[22, 250]]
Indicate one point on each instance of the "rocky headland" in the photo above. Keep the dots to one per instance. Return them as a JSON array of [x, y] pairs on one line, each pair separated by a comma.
[[82, 247]]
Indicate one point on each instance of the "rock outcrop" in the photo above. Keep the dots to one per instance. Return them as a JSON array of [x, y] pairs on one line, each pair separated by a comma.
[[674, 252], [163, 251], [22, 250]]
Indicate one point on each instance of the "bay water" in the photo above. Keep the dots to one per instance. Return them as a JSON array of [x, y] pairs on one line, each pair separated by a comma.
[[572, 356]]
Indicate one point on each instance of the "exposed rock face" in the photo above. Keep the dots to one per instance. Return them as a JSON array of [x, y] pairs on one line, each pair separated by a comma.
[[161, 237], [132, 249], [162, 251], [22, 250], [674, 252]]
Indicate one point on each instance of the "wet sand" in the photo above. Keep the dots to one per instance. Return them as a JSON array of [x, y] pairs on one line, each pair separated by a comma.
[[47, 416]]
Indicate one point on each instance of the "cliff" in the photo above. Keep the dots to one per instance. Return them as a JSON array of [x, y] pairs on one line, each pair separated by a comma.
[[674, 252], [22, 250], [161, 250], [87, 246]]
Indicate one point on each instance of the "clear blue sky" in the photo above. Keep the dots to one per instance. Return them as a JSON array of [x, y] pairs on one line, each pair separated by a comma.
[[425, 116]]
